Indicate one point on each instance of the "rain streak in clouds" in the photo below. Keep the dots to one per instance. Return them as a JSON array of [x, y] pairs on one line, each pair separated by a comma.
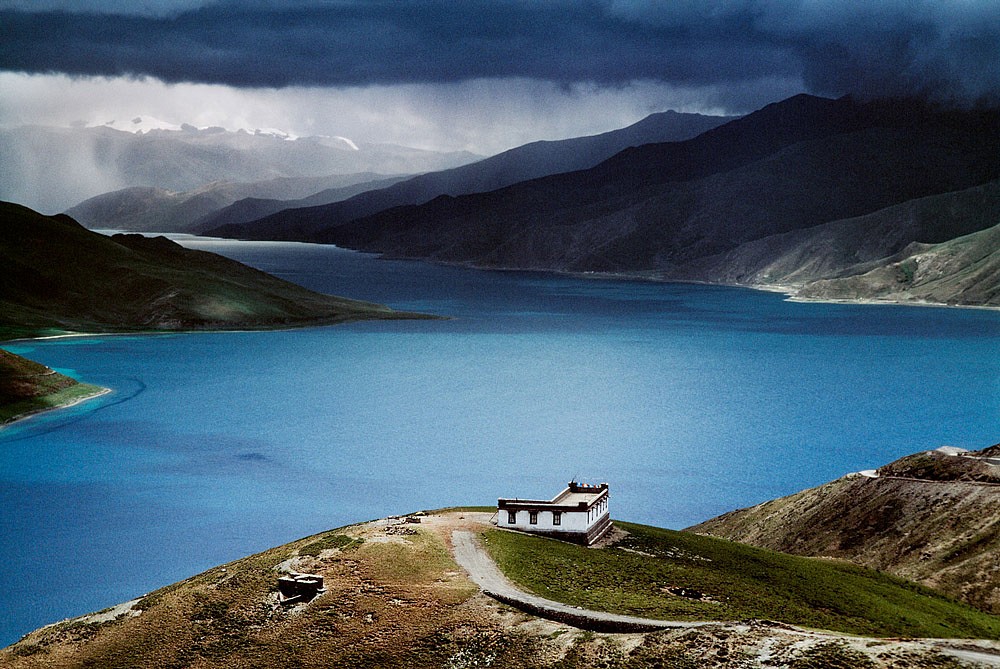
[[728, 57]]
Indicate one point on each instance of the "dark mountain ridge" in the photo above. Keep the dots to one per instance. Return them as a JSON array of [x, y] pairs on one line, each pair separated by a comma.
[[534, 160], [58, 276], [791, 165], [253, 208]]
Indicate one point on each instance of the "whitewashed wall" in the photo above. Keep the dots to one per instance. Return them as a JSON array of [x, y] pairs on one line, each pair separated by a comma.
[[572, 521]]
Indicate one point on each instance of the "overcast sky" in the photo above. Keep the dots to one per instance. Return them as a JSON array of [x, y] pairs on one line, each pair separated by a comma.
[[481, 75]]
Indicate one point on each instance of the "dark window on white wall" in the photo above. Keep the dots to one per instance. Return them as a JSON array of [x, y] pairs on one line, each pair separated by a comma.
[[511, 517], [533, 517], [557, 517]]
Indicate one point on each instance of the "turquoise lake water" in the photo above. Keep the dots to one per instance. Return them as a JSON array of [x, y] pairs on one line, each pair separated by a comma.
[[689, 400]]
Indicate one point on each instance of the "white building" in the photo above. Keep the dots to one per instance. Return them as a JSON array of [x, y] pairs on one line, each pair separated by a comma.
[[579, 514]]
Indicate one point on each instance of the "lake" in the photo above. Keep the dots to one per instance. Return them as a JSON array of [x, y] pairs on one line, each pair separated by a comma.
[[689, 400]]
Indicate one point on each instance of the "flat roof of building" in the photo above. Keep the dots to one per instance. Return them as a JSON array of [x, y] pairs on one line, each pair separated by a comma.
[[575, 496], [568, 496]]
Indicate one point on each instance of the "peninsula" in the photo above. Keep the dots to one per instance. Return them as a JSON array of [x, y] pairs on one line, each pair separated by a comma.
[[61, 278], [28, 387]]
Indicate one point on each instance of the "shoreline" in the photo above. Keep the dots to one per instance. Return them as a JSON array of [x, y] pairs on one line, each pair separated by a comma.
[[789, 291], [392, 315], [99, 392]]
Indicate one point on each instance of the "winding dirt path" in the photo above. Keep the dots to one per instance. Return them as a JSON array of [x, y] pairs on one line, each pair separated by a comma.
[[484, 572]]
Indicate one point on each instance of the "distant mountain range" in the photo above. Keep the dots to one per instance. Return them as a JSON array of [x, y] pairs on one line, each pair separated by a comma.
[[58, 276], [52, 169], [772, 188], [225, 203], [530, 161], [933, 517], [827, 199], [147, 209]]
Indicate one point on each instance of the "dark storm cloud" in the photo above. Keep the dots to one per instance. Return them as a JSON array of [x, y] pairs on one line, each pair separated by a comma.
[[945, 50]]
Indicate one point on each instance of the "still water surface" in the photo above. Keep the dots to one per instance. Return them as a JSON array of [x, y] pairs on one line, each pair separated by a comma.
[[689, 400]]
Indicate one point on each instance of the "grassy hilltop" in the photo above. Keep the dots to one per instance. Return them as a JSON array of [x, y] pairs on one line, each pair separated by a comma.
[[670, 575], [396, 598]]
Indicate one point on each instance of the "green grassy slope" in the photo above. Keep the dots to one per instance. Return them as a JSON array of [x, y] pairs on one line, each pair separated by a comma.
[[59, 276], [645, 573], [28, 387]]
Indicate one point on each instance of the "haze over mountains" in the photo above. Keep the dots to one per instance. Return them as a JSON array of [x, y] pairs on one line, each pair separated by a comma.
[[145, 208], [112, 210], [52, 169], [526, 162]]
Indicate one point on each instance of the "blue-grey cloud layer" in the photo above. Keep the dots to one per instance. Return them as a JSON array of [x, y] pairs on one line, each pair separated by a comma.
[[950, 51]]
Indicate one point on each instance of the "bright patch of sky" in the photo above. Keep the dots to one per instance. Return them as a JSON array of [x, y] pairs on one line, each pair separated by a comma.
[[482, 116]]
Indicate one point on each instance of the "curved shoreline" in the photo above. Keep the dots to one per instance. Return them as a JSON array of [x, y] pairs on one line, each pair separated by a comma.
[[789, 291], [99, 391]]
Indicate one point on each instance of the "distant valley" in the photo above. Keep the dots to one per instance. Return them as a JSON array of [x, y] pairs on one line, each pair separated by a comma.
[[235, 208], [531, 161], [150, 209], [831, 199]]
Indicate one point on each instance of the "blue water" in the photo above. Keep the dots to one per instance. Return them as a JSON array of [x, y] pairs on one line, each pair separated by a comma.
[[689, 400]]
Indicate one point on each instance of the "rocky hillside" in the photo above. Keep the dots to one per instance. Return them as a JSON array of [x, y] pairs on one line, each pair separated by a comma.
[[932, 517], [58, 276], [875, 256], [962, 271], [395, 597]]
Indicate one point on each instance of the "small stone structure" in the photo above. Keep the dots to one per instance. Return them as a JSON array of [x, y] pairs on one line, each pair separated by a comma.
[[578, 514], [296, 588]]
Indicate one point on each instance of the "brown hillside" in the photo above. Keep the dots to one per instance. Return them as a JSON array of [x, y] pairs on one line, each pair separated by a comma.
[[396, 598], [938, 524]]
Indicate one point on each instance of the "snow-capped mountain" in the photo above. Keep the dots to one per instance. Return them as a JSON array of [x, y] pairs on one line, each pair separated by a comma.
[[139, 125]]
